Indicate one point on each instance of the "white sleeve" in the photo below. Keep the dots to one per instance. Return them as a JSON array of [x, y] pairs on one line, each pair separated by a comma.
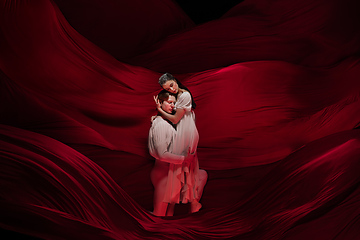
[[184, 102], [162, 137]]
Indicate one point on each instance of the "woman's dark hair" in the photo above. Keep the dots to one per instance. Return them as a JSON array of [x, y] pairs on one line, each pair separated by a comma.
[[167, 76], [164, 95]]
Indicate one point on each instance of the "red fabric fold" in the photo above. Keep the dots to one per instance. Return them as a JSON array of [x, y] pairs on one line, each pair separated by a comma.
[[277, 93], [305, 32]]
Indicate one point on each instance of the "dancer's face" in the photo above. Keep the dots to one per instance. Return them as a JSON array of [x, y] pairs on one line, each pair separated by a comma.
[[171, 86], [169, 104]]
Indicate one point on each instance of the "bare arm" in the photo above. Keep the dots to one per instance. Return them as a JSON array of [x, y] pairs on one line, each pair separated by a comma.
[[171, 158], [166, 156], [173, 118]]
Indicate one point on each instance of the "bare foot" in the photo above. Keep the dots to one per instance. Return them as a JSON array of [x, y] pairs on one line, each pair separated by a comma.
[[195, 206]]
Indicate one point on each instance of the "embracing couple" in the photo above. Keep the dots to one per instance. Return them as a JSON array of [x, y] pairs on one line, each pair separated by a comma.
[[173, 140]]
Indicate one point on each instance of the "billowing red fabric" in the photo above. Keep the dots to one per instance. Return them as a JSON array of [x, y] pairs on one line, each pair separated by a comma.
[[305, 32], [276, 108], [124, 28]]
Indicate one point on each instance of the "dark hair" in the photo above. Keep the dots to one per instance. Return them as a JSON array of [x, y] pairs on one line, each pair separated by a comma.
[[164, 95], [167, 77]]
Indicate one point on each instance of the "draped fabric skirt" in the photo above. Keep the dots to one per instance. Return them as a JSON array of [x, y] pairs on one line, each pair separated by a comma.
[[183, 178]]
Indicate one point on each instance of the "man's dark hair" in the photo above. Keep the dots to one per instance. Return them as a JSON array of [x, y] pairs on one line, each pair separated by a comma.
[[164, 95]]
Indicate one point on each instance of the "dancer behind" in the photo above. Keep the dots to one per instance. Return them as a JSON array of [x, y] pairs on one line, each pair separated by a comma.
[[161, 137], [188, 180]]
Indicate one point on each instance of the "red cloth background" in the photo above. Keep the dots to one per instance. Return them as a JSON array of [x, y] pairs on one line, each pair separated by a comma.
[[277, 90]]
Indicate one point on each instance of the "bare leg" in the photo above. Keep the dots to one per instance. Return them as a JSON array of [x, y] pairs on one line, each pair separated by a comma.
[[202, 178], [159, 180], [160, 207], [170, 209]]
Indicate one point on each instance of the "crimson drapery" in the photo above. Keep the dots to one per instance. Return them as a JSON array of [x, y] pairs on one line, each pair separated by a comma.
[[276, 86]]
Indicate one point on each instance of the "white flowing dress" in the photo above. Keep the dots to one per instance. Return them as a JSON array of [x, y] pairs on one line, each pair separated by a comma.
[[183, 178]]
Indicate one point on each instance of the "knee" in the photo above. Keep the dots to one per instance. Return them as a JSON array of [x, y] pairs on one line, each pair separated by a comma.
[[203, 175]]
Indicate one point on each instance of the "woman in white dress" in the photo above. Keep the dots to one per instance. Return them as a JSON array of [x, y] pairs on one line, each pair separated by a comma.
[[161, 142], [186, 181]]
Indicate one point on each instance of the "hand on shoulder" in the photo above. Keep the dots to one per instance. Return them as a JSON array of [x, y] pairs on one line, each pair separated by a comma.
[[153, 118]]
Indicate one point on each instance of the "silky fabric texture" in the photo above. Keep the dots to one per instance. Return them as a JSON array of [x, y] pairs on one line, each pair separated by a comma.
[[276, 86], [183, 178], [305, 32], [120, 27]]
